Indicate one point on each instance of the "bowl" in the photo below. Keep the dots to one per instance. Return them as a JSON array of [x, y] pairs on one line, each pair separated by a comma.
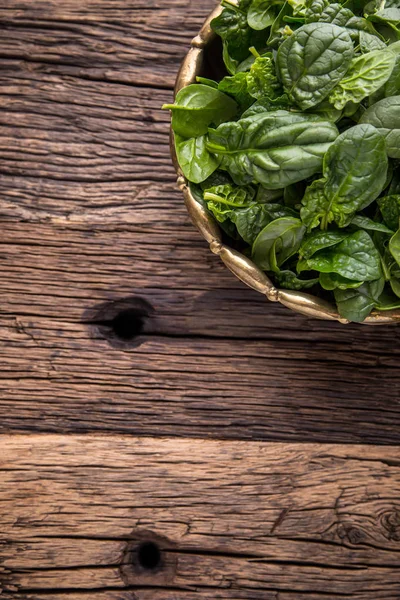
[[203, 59]]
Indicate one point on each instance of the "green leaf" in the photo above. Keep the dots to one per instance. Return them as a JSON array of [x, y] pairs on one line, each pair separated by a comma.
[[237, 87], [194, 159], [277, 242], [289, 280], [232, 26], [320, 240], [261, 14], [262, 80], [385, 116], [363, 222], [394, 246], [390, 210], [303, 58], [315, 206], [274, 149], [355, 258], [356, 305], [366, 75], [333, 281], [370, 42], [392, 86], [279, 30], [355, 168], [251, 221], [198, 106], [343, 17]]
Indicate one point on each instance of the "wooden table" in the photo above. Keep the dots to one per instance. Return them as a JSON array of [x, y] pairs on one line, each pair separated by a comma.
[[167, 434]]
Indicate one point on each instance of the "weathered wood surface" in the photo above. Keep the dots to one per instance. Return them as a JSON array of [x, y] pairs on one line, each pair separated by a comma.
[[90, 215], [231, 519]]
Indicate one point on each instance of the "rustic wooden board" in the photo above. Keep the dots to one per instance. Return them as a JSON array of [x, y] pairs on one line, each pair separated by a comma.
[[231, 519], [91, 224]]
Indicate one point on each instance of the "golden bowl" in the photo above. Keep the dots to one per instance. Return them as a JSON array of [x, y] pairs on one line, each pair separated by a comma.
[[196, 63]]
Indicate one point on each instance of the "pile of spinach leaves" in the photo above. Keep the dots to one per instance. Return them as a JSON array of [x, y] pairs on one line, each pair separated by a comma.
[[296, 151]]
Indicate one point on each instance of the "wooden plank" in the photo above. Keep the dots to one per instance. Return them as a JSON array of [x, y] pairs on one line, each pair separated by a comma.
[[277, 376], [92, 225], [286, 520], [136, 43]]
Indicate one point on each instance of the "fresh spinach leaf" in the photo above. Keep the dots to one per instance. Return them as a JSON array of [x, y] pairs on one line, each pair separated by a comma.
[[261, 14], [366, 75], [333, 281], [198, 106], [394, 246], [277, 242], [355, 168], [363, 222], [303, 58], [289, 280], [370, 42], [320, 240], [355, 305], [390, 210], [355, 258], [385, 116], [196, 162], [232, 26], [262, 80], [237, 87], [274, 149]]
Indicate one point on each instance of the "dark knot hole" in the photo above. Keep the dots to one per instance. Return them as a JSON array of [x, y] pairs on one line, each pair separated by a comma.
[[149, 556], [128, 324]]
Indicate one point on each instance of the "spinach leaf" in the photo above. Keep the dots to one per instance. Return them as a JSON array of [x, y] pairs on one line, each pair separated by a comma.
[[392, 86], [252, 220], [390, 209], [303, 58], [237, 87], [355, 169], [197, 107], [385, 116], [320, 240], [370, 42], [356, 305], [355, 258], [244, 208], [333, 281], [277, 242], [315, 206], [343, 17], [363, 222], [196, 162], [232, 26], [289, 280], [274, 149], [262, 80], [394, 246], [261, 14], [365, 76]]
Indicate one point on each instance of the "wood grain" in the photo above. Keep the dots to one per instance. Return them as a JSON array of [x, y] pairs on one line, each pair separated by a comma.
[[91, 220], [233, 519]]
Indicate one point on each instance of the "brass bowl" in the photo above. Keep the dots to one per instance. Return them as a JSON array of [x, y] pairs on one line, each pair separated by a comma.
[[195, 64]]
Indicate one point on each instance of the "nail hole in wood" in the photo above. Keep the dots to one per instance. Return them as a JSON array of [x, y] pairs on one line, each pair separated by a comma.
[[121, 322]]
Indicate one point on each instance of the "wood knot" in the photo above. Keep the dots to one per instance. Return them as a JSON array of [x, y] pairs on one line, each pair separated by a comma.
[[121, 322], [352, 534], [390, 521], [146, 560]]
